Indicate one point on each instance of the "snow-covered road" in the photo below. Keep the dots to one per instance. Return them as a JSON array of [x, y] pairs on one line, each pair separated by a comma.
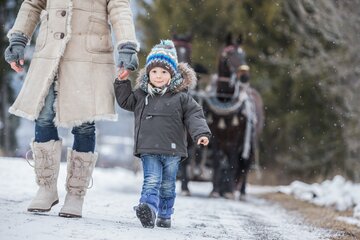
[[108, 213]]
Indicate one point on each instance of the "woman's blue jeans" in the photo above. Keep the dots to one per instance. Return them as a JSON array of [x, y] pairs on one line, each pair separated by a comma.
[[158, 189], [45, 129]]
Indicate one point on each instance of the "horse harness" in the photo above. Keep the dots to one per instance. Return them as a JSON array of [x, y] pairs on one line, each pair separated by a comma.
[[241, 102]]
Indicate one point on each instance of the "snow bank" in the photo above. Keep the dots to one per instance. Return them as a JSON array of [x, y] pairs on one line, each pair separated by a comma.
[[338, 193]]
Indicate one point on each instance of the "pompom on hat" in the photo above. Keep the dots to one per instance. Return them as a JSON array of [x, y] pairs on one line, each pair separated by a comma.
[[244, 67], [163, 55]]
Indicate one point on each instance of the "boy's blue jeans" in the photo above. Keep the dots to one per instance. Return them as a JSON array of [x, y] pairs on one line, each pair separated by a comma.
[[45, 129], [158, 189]]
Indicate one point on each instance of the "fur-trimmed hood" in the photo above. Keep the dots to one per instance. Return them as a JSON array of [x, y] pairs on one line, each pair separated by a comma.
[[184, 79]]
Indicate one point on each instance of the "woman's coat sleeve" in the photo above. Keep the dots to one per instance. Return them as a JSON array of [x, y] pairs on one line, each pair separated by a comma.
[[28, 17], [121, 19]]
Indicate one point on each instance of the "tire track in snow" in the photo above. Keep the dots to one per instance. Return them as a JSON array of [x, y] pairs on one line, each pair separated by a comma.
[[255, 219]]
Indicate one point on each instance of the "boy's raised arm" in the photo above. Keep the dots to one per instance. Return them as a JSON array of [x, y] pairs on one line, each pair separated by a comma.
[[124, 95]]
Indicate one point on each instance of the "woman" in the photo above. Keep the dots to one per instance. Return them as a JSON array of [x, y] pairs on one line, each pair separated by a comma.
[[69, 84]]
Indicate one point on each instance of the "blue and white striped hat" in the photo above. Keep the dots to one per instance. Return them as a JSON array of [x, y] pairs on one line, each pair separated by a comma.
[[163, 55]]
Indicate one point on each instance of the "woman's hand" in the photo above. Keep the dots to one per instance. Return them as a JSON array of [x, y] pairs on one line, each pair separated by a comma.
[[16, 67], [127, 57], [14, 53], [203, 140]]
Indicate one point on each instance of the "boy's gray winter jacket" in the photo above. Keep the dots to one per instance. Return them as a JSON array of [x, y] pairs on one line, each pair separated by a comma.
[[161, 121]]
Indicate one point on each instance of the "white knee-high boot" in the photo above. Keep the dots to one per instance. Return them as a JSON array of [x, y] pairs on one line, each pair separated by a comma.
[[80, 166], [47, 157]]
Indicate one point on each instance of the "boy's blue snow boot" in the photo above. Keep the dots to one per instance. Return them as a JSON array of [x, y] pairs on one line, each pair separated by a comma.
[[146, 215], [163, 222]]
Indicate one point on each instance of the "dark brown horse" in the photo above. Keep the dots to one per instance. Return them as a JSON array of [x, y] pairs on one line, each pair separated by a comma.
[[227, 107], [235, 116]]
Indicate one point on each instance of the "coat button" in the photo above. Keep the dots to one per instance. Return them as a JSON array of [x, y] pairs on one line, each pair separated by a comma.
[[63, 13], [62, 35]]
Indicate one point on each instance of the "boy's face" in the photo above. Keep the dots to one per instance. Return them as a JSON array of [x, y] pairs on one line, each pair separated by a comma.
[[159, 77]]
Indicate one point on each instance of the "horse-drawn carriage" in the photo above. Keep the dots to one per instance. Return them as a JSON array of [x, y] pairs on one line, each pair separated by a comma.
[[234, 113]]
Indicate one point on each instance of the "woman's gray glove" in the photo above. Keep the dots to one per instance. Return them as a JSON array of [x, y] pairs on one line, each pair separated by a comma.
[[15, 51], [128, 58]]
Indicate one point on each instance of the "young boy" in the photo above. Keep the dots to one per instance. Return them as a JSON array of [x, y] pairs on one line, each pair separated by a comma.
[[163, 111]]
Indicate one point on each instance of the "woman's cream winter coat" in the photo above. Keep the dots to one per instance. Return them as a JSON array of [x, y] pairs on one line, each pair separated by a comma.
[[74, 47]]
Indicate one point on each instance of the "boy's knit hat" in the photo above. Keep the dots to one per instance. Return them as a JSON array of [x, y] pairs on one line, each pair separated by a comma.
[[163, 55]]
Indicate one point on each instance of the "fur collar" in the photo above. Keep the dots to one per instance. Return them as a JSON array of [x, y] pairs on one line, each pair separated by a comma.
[[184, 79]]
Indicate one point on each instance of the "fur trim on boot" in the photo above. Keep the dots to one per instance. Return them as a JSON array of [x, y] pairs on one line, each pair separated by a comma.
[[80, 166], [47, 164]]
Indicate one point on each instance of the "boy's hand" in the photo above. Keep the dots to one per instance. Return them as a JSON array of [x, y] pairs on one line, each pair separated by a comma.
[[203, 140], [123, 74]]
